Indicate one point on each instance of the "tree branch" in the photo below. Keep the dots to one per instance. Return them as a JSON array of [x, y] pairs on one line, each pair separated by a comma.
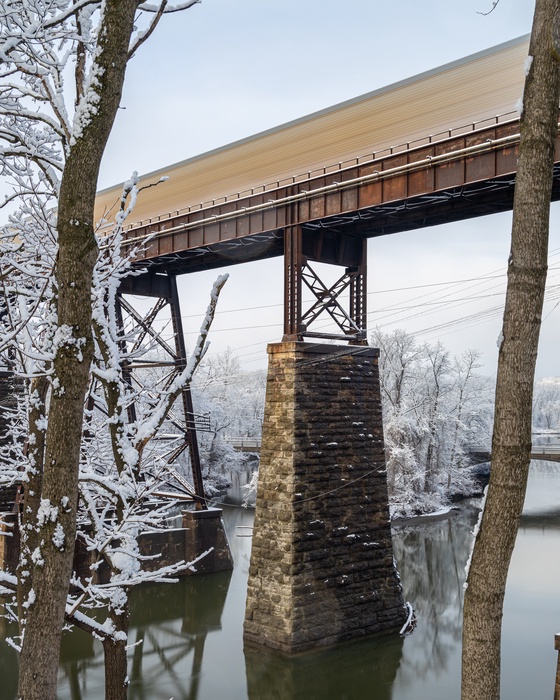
[[144, 36], [495, 4], [146, 7]]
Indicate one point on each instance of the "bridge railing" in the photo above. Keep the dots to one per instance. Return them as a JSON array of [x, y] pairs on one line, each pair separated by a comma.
[[535, 449], [545, 450], [245, 443], [336, 167]]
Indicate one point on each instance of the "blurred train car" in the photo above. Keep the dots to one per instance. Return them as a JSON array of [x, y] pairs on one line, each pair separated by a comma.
[[473, 89]]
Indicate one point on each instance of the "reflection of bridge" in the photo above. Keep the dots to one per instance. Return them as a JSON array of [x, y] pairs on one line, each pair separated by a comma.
[[169, 626]]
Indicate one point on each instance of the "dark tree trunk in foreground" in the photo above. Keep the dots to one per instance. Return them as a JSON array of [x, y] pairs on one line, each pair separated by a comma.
[[76, 258], [29, 535], [114, 652], [511, 442]]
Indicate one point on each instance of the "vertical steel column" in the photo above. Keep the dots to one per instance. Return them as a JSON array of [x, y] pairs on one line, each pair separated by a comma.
[[293, 264], [358, 295], [125, 365], [186, 395]]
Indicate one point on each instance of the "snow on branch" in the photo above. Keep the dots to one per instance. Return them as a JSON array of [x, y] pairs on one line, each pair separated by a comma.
[[165, 8], [159, 10], [8, 580]]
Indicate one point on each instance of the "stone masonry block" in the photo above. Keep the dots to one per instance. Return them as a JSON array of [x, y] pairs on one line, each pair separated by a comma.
[[322, 562]]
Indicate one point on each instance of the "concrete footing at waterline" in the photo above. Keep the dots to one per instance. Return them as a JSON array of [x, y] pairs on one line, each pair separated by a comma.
[[322, 569], [205, 532], [201, 539]]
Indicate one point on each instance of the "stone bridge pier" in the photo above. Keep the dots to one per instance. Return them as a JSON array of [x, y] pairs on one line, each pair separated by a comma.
[[322, 568]]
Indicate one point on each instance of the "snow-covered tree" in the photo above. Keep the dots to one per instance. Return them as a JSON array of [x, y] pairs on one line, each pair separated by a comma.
[[546, 404], [121, 472], [62, 67], [236, 396], [234, 401], [434, 408]]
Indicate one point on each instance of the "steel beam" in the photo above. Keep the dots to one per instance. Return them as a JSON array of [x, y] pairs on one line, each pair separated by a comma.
[[162, 289], [186, 396], [294, 262], [327, 299], [450, 176]]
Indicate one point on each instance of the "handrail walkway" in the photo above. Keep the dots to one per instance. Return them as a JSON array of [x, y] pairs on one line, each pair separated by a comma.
[[549, 453], [245, 444], [541, 452]]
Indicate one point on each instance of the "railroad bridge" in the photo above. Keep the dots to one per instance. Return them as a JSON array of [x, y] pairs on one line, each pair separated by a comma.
[[436, 148], [439, 147]]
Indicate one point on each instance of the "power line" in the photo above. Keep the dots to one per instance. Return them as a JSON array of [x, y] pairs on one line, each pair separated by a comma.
[[393, 313]]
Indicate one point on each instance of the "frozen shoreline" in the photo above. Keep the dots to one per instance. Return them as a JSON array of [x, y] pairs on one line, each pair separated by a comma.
[[440, 514]]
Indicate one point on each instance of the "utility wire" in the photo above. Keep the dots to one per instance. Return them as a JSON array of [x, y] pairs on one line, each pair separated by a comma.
[[446, 302]]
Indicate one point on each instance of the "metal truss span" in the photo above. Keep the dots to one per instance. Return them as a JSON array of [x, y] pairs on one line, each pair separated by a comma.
[[147, 305], [328, 218]]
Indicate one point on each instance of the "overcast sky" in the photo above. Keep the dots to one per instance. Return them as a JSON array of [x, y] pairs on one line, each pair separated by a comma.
[[226, 69]]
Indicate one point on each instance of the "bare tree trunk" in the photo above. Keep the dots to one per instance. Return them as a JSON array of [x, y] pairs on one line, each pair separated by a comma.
[[32, 493], [77, 255], [114, 651], [511, 442]]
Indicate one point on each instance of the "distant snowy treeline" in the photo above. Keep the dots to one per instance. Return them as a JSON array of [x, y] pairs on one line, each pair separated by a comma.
[[436, 409], [234, 401], [546, 404]]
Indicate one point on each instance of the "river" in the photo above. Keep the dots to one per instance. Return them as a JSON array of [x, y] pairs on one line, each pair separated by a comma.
[[190, 644]]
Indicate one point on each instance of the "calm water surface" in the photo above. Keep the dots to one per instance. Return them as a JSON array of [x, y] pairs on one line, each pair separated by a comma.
[[190, 633]]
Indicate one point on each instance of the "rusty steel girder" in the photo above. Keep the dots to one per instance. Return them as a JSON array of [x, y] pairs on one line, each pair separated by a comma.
[[328, 215], [444, 179], [299, 249]]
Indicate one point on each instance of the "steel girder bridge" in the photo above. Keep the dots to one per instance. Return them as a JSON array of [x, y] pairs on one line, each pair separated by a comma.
[[326, 213]]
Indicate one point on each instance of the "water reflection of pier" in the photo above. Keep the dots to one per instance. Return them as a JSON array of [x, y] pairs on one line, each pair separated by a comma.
[[356, 670], [431, 560]]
